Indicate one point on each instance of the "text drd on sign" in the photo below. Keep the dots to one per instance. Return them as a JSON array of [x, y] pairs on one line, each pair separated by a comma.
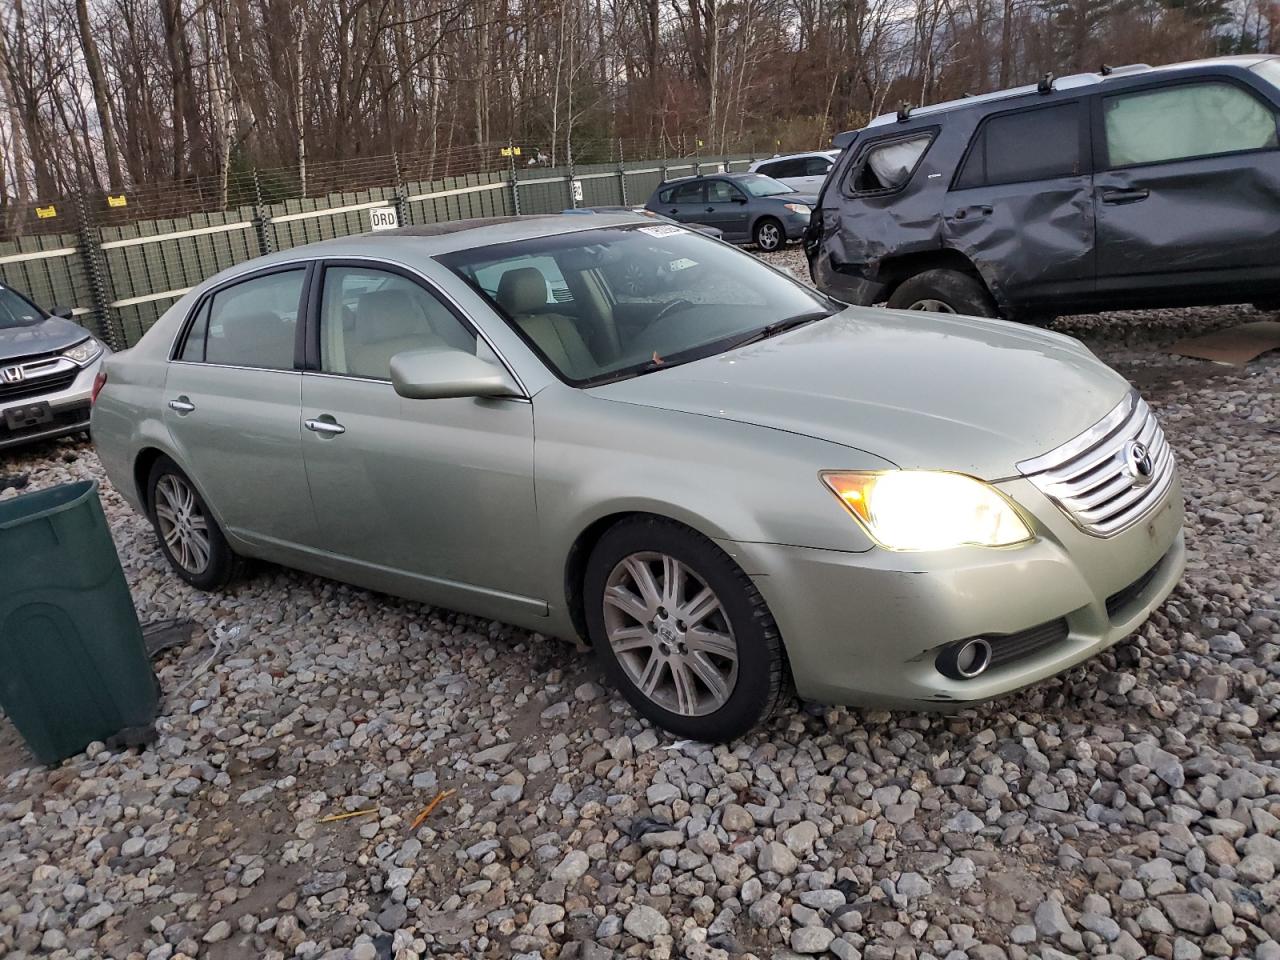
[[383, 218]]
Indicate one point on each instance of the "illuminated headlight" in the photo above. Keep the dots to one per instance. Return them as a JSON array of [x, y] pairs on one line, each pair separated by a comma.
[[84, 352], [801, 208], [928, 510]]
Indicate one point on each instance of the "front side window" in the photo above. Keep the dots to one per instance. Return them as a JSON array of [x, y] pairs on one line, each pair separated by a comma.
[[1189, 120], [367, 316], [888, 166], [649, 297], [250, 324], [1039, 144], [721, 191]]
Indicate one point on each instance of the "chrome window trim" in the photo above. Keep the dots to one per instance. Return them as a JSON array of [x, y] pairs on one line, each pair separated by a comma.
[[386, 383], [234, 366]]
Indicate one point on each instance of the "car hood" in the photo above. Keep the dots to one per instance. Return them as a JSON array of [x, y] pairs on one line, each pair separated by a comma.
[[50, 334], [917, 389], [797, 197]]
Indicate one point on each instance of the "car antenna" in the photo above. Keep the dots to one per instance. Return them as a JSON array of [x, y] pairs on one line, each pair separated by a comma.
[[1046, 84], [904, 112]]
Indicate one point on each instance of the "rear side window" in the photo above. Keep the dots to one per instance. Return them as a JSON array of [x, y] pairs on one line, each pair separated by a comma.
[[888, 166], [1189, 120], [252, 323], [816, 166], [1040, 144], [685, 193]]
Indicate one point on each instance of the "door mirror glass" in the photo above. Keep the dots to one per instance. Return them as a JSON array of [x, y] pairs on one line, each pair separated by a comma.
[[442, 374]]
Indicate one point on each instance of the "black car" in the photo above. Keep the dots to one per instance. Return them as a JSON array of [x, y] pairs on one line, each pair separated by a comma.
[[746, 207], [1132, 187]]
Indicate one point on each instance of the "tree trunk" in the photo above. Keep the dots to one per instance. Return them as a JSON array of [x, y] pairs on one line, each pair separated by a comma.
[[93, 63]]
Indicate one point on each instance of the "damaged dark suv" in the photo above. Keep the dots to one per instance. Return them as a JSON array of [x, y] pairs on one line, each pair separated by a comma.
[[1132, 187]]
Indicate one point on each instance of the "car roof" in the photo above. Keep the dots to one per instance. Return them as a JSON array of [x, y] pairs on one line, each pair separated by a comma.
[[795, 156], [1071, 82], [740, 175], [434, 239]]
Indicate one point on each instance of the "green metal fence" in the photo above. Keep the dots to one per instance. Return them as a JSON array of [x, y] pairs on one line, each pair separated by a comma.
[[119, 275]]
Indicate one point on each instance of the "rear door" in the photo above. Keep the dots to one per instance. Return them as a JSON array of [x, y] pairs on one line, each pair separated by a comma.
[[685, 201], [727, 209], [1021, 205], [1186, 191], [232, 397], [426, 498]]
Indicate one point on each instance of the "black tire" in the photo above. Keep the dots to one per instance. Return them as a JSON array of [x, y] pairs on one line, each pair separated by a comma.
[[1267, 306], [769, 234], [761, 662], [222, 563], [959, 292]]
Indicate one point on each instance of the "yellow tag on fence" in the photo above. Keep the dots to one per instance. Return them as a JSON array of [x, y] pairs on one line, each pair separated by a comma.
[[47, 213], [117, 201]]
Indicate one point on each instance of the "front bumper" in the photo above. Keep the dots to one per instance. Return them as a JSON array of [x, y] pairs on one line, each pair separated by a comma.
[[866, 629], [69, 403], [795, 225]]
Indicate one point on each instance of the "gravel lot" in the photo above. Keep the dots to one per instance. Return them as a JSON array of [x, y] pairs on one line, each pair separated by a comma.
[[1129, 808]]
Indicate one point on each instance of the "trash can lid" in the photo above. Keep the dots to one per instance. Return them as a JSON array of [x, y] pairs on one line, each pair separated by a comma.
[[43, 503]]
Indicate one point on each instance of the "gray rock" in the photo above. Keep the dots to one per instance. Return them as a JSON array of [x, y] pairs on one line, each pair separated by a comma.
[[810, 940], [1187, 911], [645, 923]]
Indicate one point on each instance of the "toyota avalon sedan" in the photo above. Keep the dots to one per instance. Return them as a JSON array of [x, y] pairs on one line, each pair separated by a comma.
[[727, 483]]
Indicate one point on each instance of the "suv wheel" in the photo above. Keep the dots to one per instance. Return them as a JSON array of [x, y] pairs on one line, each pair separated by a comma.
[[682, 631], [190, 538], [943, 291], [769, 235]]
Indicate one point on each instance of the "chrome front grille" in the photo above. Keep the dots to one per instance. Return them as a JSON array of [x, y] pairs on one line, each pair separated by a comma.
[[1101, 479]]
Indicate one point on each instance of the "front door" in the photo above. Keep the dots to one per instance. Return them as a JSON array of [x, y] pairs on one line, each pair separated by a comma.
[[425, 498], [727, 209], [232, 401], [1022, 205], [1186, 191]]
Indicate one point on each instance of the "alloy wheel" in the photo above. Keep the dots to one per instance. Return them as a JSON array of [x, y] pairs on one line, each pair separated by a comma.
[[932, 306], [670, 633], [768, 236], [182, 523]]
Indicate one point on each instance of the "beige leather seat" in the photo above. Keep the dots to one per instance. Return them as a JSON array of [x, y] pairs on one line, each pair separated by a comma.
[[387, 322], [522, 293]]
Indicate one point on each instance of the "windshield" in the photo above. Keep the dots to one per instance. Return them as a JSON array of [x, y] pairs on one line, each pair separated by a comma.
[[605, 304], [1270, 71], [15, 311], [758, 185]]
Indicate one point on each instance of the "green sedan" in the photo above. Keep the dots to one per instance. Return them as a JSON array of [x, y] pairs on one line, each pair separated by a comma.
[[724, 481]]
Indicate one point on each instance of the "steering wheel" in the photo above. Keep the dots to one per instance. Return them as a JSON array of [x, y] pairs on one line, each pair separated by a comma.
[[672, 307]]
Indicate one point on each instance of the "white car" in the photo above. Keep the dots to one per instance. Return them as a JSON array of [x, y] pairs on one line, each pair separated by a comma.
[[802, 172]]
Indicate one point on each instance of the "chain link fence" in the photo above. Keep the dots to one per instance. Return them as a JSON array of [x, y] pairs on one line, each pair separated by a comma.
[[117, 261]]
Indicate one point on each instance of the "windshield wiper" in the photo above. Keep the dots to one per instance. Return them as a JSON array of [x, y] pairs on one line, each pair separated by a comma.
[[777, 327]]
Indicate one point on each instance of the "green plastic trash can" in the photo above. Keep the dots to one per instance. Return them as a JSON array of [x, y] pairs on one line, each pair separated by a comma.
[[73, 668]]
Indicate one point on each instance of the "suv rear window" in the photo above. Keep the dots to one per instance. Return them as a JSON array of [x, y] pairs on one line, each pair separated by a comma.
[[1189, 120], [1000, 151]]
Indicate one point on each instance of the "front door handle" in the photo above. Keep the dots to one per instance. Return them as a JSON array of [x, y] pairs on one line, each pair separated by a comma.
[[182, 405], [327, 428], [1125, 196], [711, 209], [674, 210]]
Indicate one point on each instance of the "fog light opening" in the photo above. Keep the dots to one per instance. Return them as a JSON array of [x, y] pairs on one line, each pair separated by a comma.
[[966, 660]]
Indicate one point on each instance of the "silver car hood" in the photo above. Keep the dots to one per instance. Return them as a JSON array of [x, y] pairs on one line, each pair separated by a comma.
[[918, 389], [50, 334]]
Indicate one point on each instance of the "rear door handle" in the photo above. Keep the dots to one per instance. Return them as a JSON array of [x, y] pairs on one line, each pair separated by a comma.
[[711, 209], [328, 428], [182, 405], [980, 211], [1125, 196]]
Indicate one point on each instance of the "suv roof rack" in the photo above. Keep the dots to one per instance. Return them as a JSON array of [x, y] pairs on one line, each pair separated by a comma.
[[1046, 84]]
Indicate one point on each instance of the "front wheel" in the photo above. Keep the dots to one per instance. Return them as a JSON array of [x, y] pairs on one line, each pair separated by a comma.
[[682, 631], [943, 291], [769, 235], [189, 536]]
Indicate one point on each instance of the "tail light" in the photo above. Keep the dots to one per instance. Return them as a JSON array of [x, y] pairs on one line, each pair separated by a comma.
[[99, 382]]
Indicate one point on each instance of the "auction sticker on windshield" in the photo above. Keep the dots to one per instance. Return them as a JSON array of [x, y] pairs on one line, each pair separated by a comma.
[[662, 230]]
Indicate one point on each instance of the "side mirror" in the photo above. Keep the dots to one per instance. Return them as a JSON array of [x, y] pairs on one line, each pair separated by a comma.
[[441, 374], [66, 313]]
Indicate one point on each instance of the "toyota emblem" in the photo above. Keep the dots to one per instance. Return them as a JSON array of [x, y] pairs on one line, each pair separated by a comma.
[[1137, 461], [14, 374]]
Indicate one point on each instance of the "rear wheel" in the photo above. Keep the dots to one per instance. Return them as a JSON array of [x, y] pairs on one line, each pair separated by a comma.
[[769, 235], [682, 631], [189, 536], [943, 291]]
